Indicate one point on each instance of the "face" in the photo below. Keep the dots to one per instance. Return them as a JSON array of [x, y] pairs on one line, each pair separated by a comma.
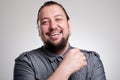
[[54, 26]]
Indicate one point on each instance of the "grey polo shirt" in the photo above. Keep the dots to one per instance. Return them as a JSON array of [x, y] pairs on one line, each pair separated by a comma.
[[40, 63]]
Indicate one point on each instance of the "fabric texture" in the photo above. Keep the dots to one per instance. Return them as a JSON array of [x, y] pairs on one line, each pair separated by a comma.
[[40, 63]]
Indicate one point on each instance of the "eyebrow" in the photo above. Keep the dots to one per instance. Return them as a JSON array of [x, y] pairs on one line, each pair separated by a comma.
[[59, 15], [43, 18], [54, 16]]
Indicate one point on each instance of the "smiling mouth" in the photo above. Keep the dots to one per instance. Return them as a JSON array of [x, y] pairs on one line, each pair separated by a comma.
[[54, 33]]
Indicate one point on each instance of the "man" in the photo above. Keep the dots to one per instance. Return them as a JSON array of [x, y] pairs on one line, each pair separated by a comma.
[[56, 59]]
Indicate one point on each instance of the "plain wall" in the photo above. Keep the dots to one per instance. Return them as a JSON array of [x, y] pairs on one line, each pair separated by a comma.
[[95, 26]]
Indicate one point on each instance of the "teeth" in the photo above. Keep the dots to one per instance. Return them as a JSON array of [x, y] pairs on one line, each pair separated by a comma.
[[56, 33]]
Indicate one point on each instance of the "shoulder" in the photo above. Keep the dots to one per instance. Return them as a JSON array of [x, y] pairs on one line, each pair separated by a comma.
[[89, 54], [26, 56], [94, 66], [92, 57]]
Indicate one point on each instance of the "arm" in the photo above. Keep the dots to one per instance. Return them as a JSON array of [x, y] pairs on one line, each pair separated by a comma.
[[23, 69], [97, 72], [72, 62]]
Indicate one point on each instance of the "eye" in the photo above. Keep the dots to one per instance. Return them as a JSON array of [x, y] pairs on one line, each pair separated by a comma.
[[44, 22], [58, 19]]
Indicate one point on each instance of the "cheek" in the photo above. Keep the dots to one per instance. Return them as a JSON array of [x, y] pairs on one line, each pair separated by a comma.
[[65, 32], [41, 32], [66, 28]]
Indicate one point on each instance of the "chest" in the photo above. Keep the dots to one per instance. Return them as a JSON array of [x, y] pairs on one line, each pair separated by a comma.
[[43, 69]]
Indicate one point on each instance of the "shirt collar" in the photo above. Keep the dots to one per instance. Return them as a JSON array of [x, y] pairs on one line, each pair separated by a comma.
[[52, 56]]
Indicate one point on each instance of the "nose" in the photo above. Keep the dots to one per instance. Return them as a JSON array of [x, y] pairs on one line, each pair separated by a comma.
[[53, 25]]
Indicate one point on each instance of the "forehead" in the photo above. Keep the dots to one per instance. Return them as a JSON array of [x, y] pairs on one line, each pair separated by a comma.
[[51, 11]]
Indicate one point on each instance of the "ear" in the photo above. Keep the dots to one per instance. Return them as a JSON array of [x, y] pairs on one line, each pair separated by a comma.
[[39, 30], [69, 26]]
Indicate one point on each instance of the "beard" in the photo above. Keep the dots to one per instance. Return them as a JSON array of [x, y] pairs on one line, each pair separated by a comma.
[[56, 47]]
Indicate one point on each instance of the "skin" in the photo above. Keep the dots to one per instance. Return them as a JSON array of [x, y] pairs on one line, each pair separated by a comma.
[[53, 27]]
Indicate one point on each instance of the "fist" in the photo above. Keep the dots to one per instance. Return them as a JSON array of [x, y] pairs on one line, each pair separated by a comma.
[[74, 60]]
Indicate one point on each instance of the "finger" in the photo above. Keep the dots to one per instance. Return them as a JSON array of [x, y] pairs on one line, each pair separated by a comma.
[[84, 58]]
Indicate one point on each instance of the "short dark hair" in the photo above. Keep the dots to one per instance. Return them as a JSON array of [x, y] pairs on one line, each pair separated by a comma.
[[48, 3]]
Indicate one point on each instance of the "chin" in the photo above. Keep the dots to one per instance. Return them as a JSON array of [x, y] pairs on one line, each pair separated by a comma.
[[57, 45], [56, 42]]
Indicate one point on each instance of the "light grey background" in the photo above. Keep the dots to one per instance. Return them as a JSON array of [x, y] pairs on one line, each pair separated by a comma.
[[95, 26]]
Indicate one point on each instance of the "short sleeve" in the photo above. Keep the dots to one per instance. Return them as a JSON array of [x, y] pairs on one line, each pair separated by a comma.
[[95, 66], [23, 69]]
